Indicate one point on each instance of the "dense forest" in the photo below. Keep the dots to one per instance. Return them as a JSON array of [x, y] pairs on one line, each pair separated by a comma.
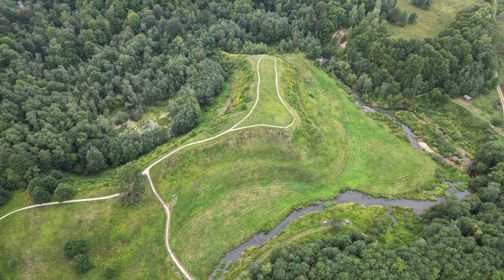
[[459, 240], [72, 71], [404, 73]]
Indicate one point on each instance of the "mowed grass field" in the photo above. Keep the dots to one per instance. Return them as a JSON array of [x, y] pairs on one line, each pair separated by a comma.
[[224, 191], [429, 21], [269, 109], [129, 240]]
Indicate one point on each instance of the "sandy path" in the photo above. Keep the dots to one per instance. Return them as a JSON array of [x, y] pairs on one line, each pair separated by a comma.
[[146, 172], [501, 96], [61, 203], [235, 127]]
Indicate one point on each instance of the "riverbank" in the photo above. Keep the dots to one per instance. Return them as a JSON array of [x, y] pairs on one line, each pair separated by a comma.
[[417, 207]]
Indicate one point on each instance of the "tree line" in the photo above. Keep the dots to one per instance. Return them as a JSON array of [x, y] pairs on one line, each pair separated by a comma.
[[72, 71], [403, 73], [457, 240]]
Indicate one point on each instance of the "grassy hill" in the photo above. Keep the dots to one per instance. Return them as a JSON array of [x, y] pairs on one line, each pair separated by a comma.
[[245, 182], [32, 242], [227, 189]]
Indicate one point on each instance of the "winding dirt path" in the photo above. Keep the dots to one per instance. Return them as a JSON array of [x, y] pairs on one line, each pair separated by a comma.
[[234, 128], [465, 106], [146, 172], [501, 96], [60, 203]]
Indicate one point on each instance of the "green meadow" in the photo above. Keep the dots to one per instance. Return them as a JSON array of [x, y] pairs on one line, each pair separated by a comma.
[[226, 190], [269, 109], [429, 21], [118, 239]]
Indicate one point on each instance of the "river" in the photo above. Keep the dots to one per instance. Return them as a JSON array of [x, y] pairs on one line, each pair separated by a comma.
[[417, 206]]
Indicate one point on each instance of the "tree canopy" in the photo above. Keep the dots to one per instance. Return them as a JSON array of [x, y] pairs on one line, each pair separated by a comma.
[[72, 71], [401, 73]]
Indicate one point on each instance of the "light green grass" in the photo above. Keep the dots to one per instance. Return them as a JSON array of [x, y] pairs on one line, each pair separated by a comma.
[[269, 109], [310, 227], [429, 21], [486, 106], [226, 190], [247, 181], [128, 239], [17, 200]]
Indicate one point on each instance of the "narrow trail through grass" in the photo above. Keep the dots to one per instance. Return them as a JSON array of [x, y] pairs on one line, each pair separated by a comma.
[[60, 203], [232, 185], [501, 97], [235, 127], [223, 191]]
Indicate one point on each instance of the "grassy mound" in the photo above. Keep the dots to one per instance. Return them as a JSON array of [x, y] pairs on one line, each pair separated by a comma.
[[247, 181], [227, 189], [269, 109], [128, 239]]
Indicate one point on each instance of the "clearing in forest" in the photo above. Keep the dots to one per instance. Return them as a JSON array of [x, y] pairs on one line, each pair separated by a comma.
[[429, 21]]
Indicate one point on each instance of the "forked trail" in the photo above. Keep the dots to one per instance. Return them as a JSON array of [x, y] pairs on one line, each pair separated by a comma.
[[146, 172], [235, 127]]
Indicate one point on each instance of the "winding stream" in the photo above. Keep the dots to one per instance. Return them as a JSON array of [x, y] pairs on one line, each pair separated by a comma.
[[406, 129], [410, 135], [418, 207]]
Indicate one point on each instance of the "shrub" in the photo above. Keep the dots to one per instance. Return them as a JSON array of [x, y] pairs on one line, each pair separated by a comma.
[[56, 174], [82, 264], [110, 272], [425, 4], [412, 18], [132, 185], [13, 263], [121, 117], [40, 195], [63, 192], [74, 247], [185, 110], [253, 48], [47, 183], [4, 196], [496, 121]]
